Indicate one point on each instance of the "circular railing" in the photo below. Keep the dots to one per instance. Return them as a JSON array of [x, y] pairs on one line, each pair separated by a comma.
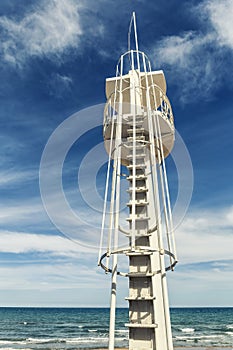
[[157, 101]]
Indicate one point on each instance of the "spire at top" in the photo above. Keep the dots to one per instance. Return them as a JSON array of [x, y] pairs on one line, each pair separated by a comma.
[[133, 22]]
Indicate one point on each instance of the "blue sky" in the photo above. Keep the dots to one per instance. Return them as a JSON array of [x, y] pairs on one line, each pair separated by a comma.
[[54, 58]]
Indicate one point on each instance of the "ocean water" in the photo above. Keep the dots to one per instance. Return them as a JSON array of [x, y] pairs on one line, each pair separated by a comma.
[[86, 328]]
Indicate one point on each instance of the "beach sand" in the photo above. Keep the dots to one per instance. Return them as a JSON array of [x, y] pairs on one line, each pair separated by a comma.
[[183, 348]]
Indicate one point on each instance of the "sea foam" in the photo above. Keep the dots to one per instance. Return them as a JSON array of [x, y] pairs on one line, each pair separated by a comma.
[[187, 330]]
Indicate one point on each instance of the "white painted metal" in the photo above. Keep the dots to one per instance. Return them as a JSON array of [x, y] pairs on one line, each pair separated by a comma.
[[139, 134]]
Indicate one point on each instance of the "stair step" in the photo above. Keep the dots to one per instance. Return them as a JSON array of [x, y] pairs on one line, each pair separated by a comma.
[[137, 123], [138, 203], [139, 274], [139, 218], [138, 155], [138, 235], [143, 348], [141, 325], [137, 130], [138, 138], [148, 297], [137, 177], [138, 145], [138, 189], [139, 166], [131, 117], [139, 253]]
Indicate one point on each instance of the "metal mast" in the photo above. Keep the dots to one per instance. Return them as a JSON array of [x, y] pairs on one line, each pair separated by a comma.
[[139, 135]]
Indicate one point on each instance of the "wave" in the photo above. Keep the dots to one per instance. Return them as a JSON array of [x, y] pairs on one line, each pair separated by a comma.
[[16, 348], [43, 340], [27, 322], [54, 340], [8, 342], [92, 330], [87, 340], [187, 330], [229, 333], [198, 337], [229, 326], [4, 342], [122, 331], [67, 324]]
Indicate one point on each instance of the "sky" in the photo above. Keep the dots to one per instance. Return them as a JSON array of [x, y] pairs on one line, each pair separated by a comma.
[[54, 58]]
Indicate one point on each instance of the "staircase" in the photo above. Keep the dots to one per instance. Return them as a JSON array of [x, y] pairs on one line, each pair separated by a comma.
[[141, 297]]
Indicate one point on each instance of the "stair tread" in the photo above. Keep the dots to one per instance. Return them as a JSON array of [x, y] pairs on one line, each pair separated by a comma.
[[138, 130], [140, 176], [139, 203], [141, 325], [138, 137], [138, 145], [138, 218], [139, 253], [137, 235], [140, 274], [142, 165], [136, 116], [148, 297], [138, 189], [138, 155]]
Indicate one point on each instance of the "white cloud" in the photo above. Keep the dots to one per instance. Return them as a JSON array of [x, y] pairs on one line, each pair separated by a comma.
[[59, 85], [31, 213], [199, 286], [193, 73], [48, 29], [24, 242], [206, 235], [176, 49], [13, 176], [196, 57], [203, 275], [221, 14], [229, 216], [47, 276], [26, 212]]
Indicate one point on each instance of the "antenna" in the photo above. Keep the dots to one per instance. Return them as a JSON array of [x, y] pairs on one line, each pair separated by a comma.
[[133, 21]]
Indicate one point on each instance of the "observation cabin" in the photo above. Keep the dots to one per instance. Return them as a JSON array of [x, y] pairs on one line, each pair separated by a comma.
[[139, 91]]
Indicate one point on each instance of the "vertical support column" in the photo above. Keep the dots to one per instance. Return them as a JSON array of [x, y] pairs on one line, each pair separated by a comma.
[[117, 164]]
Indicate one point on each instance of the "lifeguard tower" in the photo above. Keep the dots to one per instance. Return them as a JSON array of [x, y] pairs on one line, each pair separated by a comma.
[[138, 132]]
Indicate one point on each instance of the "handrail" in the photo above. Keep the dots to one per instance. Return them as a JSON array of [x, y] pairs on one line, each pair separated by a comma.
[[125, 251], [166, 110]]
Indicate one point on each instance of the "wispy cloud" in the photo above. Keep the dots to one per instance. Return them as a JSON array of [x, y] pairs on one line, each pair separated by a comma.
[[14, 177], [22, 212], [59, 85], [196, 57], [25, 242], [47, 29], [29, 215], [220, 14], [206, 235], [46, 276], [202, 284]]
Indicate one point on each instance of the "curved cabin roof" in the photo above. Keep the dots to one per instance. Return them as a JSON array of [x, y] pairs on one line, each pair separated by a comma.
[[157, 77]]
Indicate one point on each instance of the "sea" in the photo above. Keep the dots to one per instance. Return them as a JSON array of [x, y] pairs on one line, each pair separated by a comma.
[[87, 328]]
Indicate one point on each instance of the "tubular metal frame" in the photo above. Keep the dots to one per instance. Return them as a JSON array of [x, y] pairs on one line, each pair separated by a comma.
[[156, 110]]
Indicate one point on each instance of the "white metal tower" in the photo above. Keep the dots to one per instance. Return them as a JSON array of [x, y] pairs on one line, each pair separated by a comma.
[[139, 135]]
